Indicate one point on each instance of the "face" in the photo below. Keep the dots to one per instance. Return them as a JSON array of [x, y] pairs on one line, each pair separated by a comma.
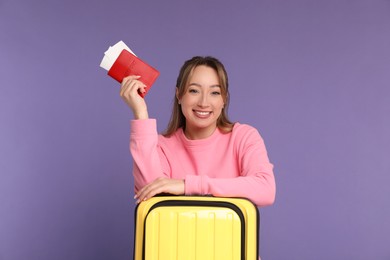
[[202, 103]]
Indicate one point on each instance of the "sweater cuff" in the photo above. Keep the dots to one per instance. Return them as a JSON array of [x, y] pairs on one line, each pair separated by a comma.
[[143, 127], [195, 185]]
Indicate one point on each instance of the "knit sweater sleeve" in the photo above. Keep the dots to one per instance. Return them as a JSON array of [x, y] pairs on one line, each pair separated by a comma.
[[255, 181], [147, 164]]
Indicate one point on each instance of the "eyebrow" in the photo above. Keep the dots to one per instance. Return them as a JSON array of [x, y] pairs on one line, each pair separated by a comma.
[[199, 85]]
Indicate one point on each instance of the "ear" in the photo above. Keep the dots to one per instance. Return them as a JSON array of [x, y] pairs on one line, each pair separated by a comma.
[[177, 95]]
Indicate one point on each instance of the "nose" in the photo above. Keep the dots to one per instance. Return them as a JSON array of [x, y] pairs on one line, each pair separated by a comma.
[[203, 101]]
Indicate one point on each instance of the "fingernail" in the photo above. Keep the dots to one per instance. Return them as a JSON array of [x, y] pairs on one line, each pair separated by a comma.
[[135, 196]]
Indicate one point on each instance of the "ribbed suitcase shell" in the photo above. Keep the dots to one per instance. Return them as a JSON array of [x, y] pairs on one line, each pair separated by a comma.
[[196, 228]]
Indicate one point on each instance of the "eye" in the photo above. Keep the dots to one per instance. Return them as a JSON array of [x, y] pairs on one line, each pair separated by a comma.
[[192, 90], [215, 93]]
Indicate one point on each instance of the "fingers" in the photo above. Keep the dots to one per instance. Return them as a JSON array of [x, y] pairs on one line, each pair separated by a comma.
[[130, 89], [150, 190], [131, 86], [160, 185]]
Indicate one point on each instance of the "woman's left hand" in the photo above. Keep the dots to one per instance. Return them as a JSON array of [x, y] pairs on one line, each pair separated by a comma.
[[160, 185]]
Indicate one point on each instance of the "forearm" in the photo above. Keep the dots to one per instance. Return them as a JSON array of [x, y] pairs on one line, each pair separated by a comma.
[[143, 147], [260, 189]]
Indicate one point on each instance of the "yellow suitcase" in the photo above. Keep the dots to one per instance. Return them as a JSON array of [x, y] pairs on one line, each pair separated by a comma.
[[196, 228]]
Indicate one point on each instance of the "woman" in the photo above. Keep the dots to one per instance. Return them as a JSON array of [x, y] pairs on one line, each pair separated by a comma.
[[201, 152]]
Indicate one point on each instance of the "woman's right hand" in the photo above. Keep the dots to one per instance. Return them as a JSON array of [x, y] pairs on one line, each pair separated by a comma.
[[130, 89]]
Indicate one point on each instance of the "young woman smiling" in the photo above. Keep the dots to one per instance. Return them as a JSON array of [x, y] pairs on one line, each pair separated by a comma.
[[201, 152]]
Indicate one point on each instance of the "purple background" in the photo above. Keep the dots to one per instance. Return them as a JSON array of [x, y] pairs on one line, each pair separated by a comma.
[[312, 76]]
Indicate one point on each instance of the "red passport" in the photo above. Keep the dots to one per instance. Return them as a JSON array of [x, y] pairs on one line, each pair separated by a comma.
[[128, 64]]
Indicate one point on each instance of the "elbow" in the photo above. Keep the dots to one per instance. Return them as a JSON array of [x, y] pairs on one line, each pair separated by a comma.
[[267, 197], [268, 200], [265, 200]]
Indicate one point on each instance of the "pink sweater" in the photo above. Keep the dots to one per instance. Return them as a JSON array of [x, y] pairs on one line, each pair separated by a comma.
[[226, 165]]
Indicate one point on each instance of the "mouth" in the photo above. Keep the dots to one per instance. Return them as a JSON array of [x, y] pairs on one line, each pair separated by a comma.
[[202, 114]]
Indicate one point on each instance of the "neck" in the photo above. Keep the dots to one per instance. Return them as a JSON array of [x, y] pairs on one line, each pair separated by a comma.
[[196, 134]]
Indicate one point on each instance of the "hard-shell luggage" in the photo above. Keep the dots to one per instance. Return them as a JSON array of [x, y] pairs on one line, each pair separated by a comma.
[[196, 228]]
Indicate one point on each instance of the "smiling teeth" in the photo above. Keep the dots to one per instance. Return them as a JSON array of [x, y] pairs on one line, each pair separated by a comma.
[[202, 113]]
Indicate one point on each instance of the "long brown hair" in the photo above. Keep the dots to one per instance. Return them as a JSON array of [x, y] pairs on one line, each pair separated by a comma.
[[177, 118]]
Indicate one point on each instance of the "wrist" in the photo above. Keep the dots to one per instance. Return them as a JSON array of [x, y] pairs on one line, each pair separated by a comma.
[[141, 114]]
